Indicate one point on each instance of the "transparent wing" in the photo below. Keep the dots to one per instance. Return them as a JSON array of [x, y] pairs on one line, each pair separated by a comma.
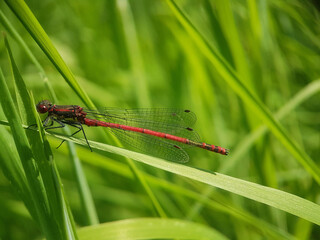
[[152, 145], [171, 121], [178, 117]]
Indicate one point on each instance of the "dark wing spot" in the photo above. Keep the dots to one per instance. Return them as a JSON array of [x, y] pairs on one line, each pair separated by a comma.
[[187, 111], [190, 129], [177, 146]]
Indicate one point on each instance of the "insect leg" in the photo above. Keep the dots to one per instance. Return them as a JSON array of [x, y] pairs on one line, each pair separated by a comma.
[[44, 122], [80, 128]]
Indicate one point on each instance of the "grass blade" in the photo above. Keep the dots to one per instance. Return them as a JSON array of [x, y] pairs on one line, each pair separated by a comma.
[[22, 11], [252, 101], [272, 197], [149, 228], [46, 197], [84, 191], [27, 18], [247, 142]]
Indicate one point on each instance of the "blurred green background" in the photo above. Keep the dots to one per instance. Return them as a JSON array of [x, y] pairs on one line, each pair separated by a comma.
[[137, 54]]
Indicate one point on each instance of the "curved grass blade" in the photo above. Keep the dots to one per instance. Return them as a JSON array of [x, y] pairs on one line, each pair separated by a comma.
[[247, 142], [22, 11], [272, 197], [230, 76], [216, 203], [149, 228], [84, 191], [36, 160], [12, 168], [27, 18], [37, 193]]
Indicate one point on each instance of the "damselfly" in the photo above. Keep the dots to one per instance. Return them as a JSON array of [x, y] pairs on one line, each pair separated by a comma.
[[160, 132]]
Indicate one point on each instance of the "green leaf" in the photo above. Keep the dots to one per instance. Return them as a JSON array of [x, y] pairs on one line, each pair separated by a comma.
[[248, 141], [270, 196], [149, 228], [22, 11], [215, 204], [237, 85], [37, 32], [84, 191], [45, 201], [37, 197]]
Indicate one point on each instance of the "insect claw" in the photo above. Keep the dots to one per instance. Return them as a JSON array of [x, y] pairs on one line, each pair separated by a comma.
[[60, 144], [227, 151]]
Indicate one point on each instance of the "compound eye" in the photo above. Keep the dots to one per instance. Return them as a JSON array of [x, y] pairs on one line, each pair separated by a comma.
[[42, 108]]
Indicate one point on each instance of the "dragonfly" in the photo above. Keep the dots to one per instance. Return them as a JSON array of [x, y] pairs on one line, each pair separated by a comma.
[[161, 132]]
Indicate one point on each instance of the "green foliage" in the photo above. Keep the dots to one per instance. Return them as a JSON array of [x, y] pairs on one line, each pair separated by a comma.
[[250, 71], [41, 190]]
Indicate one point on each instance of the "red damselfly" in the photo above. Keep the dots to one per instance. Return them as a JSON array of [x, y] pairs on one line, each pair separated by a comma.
[[160, 132]]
